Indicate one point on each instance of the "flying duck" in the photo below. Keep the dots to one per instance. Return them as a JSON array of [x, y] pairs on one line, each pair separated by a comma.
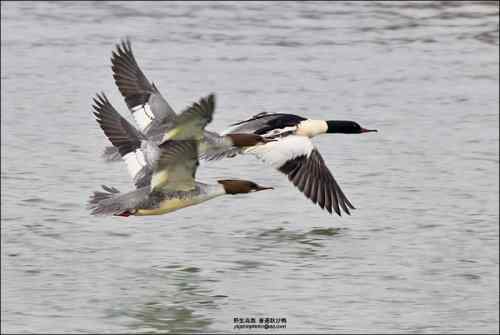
[[171, 167], [285, 139], [291, 151]]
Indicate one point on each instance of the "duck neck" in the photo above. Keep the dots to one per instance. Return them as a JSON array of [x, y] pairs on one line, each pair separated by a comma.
[[210, 191], [311, 128]]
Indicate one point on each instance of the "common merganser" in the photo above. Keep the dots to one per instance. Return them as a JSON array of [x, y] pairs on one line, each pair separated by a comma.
[[293, 153], [289, 150], [172, 185]]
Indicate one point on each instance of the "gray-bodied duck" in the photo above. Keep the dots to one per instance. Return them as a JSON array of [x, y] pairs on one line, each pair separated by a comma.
[[171, 166]]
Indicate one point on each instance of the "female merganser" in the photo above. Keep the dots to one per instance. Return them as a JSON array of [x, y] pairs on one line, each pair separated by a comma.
[[172, 183], [289, 150]]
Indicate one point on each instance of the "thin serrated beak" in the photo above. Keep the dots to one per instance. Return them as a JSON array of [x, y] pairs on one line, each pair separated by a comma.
[[262, 188]]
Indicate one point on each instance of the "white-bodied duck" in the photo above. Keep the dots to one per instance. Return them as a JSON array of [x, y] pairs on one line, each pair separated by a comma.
[[293, 153]]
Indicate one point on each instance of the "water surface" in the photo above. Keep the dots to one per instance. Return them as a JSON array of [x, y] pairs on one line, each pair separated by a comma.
[[420, 252]]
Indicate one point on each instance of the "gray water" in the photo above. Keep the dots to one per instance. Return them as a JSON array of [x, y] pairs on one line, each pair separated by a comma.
[[419, 254]]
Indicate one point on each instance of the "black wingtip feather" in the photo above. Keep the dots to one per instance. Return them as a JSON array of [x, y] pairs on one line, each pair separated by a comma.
[[131, 81], [116, 128], [311, 176]]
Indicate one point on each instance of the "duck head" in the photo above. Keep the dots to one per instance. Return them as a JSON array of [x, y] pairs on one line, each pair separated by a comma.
[[235, 186], [346, 127]]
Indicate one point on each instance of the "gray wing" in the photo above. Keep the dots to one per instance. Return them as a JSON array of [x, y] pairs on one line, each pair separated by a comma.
[[117, 129], [125, 138], [149, 108], [249, 126], [215, 147], [175, 169], [190, 124]]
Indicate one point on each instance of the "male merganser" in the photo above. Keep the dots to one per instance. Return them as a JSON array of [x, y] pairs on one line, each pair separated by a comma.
[[293, 153], [172, 183], [289, 150]]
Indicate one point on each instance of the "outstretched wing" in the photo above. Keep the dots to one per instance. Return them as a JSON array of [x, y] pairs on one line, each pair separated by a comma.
[[214, 146], [191, 122], [176, 167], [124, 137], [297, 157], [118, 130], [149, 108]]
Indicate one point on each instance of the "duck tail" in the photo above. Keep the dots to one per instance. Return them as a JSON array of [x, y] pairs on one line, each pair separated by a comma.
[[104, 203], [112, 202]]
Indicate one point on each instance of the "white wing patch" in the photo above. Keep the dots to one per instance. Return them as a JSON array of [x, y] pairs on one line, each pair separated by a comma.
[[143, 115], [279, 152], [135, 162]]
